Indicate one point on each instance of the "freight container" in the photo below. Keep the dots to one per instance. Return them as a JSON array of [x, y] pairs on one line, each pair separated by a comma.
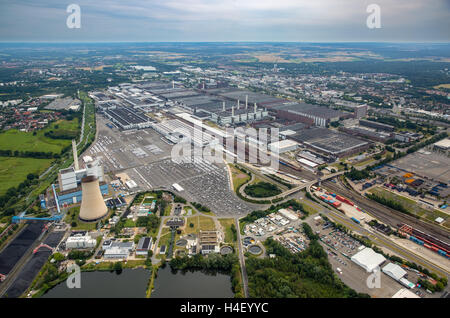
[[355, 220]]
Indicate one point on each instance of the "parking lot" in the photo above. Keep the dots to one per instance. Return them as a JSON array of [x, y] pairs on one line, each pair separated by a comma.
[[146, 158], [340, 247]]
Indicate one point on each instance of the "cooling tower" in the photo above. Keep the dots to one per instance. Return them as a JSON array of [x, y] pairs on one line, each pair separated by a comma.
[[93, 208]]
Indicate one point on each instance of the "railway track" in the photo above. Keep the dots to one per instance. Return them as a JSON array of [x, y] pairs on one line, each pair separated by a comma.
[[387, 215]]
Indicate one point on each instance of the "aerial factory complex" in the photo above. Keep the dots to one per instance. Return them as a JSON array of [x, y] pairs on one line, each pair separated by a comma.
[[254, 169]]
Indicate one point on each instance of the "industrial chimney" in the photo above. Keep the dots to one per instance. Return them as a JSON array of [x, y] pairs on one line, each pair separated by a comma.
[[232, 111], [93, 208], [223, 106], [246, 101], [238, 104], [75, 155], [256, 108]]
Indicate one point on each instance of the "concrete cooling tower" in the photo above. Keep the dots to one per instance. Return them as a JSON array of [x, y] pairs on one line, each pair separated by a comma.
[[93, 208]]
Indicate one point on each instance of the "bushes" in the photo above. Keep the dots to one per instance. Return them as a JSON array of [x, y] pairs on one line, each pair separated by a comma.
[[200, 207], [262, 190], [390, 203], [304, 274], [75, 254]]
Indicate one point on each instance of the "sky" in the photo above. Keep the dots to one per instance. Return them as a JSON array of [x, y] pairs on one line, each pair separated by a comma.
[[225, 20]]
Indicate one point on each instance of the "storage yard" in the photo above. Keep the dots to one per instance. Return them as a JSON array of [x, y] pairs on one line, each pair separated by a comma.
[[340, 248]]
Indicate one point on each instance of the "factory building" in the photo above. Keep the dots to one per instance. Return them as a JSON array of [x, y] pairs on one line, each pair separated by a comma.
[[128, 118], [237, 115], [209, 242], [74, 196], [376, 125], [70, 178], [321, 116], [283, 146], [144, 245], [442, 146], [77, 241], [118, 250], [330, 143]]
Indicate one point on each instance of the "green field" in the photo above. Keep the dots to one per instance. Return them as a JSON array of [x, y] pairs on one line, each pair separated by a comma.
[[226, 224], [238, 177], [25, 141], [14, 171]]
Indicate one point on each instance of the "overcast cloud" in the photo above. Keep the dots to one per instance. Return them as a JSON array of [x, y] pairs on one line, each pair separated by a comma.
[[225, 20]]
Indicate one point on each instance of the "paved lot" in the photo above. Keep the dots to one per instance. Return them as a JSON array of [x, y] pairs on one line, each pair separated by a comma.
[[15, 250], [146, 158], [33, 266]]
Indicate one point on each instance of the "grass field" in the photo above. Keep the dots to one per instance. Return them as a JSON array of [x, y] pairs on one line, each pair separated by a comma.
[[14, 170], [238, 177], [226, 223], [25, 141], [200, 222]]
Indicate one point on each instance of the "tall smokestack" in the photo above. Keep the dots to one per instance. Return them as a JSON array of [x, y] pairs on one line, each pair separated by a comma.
[[173, 84], [223, 107], [246, 101], [238, 104], [203, 85], [256, 108], [75, 155], [232, 110]]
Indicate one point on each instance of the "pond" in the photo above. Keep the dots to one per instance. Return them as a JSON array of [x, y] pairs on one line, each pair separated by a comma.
[[191, 284], [130, 283]]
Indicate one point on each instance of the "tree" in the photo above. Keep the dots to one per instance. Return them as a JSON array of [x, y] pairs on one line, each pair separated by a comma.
[[118, 266]]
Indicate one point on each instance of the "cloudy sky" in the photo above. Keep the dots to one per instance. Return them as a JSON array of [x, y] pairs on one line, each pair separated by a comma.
[[225, 20]]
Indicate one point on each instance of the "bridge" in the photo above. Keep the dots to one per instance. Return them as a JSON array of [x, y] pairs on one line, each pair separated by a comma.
[[293, 190], [18, 218], [56, 217], [42, 245]]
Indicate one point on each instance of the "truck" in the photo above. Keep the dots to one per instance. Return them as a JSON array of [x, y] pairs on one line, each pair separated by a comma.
[[339, 270]]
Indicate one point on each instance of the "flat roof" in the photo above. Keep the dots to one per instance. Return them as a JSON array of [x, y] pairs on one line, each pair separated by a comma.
[[405, 293]]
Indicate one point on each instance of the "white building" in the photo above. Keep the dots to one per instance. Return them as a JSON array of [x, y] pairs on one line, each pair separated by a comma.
[[80, 242], [394, 271], [177, 187], [368, 259], [283, 146], [288, 214]]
